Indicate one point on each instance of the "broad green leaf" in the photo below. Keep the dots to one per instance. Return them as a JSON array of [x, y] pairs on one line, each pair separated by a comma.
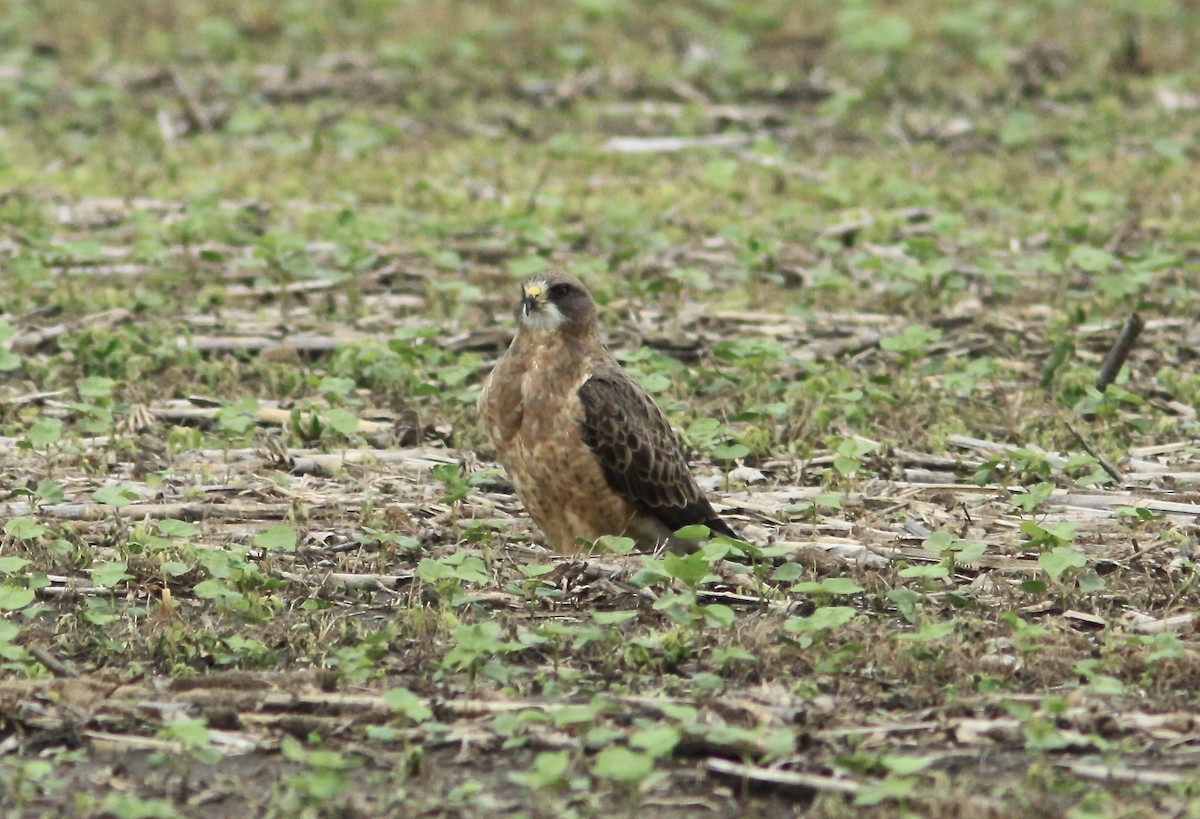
[[677, 711], [1048, 534], [934, 571], [912, 339], [654, 383], [9, 360], [905, 765], [657, 742], [706, 683], [24, 528], [697, 531], [575, 715], [483, 637], [191, 732], [1059, 560], [405, 702], [730, 452], [691, 569], [342, 421], [788, 572], [335, 385], [829, 500], [278, 538], [622, 765], [326, 760], [215, 589], [939, 541], [892, 788], [702, 430], [472, 570], [1034, 496], [718, 615], [907, 602], [11, 564], [552, 765], [431, 571], [45, 431], [114, 496], [1092, 259], [840, 585], [170, 527], [549, 769], [15, 597], [49, 491], [822, 619], [1064, 531], [616, 544], [109, 574], [96, 386], [968, 551], [1104, 684]]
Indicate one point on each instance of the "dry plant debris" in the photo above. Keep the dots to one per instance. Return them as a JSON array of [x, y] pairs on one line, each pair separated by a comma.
[[875, 263]]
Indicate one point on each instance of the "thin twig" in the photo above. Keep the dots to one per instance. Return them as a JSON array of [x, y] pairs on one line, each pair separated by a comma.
[[1120, 773], [54, 665], [1120, 351], [1114, 473], [195, 110], [776, 779], [532, 200]]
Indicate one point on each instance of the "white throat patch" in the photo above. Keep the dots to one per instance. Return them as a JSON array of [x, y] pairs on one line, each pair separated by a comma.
[[546, 317]]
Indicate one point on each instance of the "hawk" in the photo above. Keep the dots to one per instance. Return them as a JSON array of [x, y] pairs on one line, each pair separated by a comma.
[[587, 449]]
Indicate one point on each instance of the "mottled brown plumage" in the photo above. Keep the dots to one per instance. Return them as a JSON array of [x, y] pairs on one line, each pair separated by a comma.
[[587, 449]]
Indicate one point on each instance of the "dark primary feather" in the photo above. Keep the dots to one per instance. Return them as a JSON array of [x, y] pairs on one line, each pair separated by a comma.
[[641, 457]]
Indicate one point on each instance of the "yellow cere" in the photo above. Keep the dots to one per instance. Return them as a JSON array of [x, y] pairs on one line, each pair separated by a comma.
[[533, 291]]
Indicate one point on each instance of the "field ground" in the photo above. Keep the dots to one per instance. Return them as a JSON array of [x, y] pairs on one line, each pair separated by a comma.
[[257, 258]]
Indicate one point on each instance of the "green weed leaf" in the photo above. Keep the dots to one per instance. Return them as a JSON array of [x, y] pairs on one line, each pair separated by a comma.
[[823, 619], [109, 574], [408, 704], [623, 765], [691, 570], [14, 597], [24, 528], [1060, 560], [115, 496], [276, 539], [45, 432]]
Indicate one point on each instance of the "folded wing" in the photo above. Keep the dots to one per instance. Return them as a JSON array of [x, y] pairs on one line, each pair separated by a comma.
[[640, 454]]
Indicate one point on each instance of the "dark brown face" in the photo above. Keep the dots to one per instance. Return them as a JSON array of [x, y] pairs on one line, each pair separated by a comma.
[[556, 301]]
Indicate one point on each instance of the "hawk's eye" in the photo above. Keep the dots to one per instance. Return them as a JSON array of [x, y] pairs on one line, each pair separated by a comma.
[[560, 291]]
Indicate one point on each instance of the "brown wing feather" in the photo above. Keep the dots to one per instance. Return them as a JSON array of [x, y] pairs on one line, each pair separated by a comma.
[[641, 457]]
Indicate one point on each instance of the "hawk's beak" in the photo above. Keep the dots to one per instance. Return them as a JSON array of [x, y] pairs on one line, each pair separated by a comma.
[[531, 300]]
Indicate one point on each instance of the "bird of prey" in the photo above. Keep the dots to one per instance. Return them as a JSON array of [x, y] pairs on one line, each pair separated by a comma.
[[587, 449]]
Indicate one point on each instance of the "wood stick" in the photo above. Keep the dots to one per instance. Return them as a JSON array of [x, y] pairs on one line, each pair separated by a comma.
[[1120, 351], [195, 110], [1120, 773], [1105, 464], [154, 511], [776, 779], [54, 665]]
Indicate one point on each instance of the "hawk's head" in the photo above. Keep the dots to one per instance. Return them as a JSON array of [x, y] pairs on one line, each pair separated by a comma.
[[556, 301]]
